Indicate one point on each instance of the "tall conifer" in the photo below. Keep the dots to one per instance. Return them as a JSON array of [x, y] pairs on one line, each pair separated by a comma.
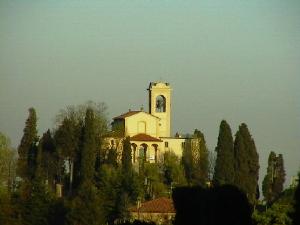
[[273, 182], [267, 185], [280, 175], [126, 156], [224, 168], [246, 162], [202, 170], [27, 147], [88, 153]]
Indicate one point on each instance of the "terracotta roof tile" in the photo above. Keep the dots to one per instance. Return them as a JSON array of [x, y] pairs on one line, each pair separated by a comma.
[[159, 205], [131, 113], [144, 137], [124, 115]]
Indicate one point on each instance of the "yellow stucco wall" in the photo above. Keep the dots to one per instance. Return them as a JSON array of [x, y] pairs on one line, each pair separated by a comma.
[[175, 145], [141, 123]]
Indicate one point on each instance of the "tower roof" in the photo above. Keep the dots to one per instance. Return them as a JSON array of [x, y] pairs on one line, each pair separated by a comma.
[[159, 84]]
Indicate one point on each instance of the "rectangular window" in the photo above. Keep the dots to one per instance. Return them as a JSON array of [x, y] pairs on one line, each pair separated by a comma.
[[166, 144]]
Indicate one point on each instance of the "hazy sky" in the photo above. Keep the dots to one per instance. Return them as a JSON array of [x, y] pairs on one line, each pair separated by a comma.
[[234, 60]]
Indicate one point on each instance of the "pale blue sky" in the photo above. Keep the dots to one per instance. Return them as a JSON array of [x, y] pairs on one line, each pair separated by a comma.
[[233, 60]]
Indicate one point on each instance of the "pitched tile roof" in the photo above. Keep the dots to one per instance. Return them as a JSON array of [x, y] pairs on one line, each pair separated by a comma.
[[159, 205], [131, 113], [144, 137], [124, 115]]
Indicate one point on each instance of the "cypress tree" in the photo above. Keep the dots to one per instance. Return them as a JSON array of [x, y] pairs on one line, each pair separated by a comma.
[[224, 168], [85, 207], [273, 182], [267, 185], [88, 153], [126, 156], [201, 166], [280, 175], [188, 162], [247, 166], [50, 163], [67, 139], [27, 147], [112, 157], [295, 215]]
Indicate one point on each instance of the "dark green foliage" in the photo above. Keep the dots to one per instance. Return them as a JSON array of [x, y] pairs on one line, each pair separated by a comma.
[[118, 190], [296, 213], [57, 212], [88, 153], [195, 160], [67, 138], [153, 181], [246, 162], [202, 164], [27, 147], [8, 210], [51, 163], [280, 175], [173, 170], [85, 207], [188, 161], [224, 168], [267, 185], [35, 209], [126, 156], [112, 157], [109, 187], [272, 184], [8, 161]]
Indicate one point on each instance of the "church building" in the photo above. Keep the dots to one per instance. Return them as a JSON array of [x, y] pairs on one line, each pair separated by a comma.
[[149, 132]]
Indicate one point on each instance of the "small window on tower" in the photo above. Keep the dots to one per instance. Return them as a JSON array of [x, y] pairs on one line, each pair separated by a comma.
[[166, 144], [160, 103]]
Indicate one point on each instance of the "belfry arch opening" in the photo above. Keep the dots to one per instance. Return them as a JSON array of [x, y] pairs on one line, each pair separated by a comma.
[[160, 104]]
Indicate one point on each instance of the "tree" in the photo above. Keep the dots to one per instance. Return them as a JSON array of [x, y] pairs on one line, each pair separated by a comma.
[[7, 163], [36, 205], [195, 160], [296, 213], [69, 136], [126, 156], [88, 153], [267, 185], [202, 164], [246, 162], [27, 147], [224, 168], [85, 207], [273, 182], [173, 170], [188, 161], [280, 175], [77, 115], [51, 164], [277, 214], [67, 139]]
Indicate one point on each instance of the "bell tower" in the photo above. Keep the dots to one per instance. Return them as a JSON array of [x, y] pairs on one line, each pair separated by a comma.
[[160, 106]]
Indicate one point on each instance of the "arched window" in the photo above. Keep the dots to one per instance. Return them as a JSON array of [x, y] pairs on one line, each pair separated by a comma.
[[160, 103]]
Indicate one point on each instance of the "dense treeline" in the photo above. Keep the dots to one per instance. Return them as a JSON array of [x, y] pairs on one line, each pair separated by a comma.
[[66, 176]]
